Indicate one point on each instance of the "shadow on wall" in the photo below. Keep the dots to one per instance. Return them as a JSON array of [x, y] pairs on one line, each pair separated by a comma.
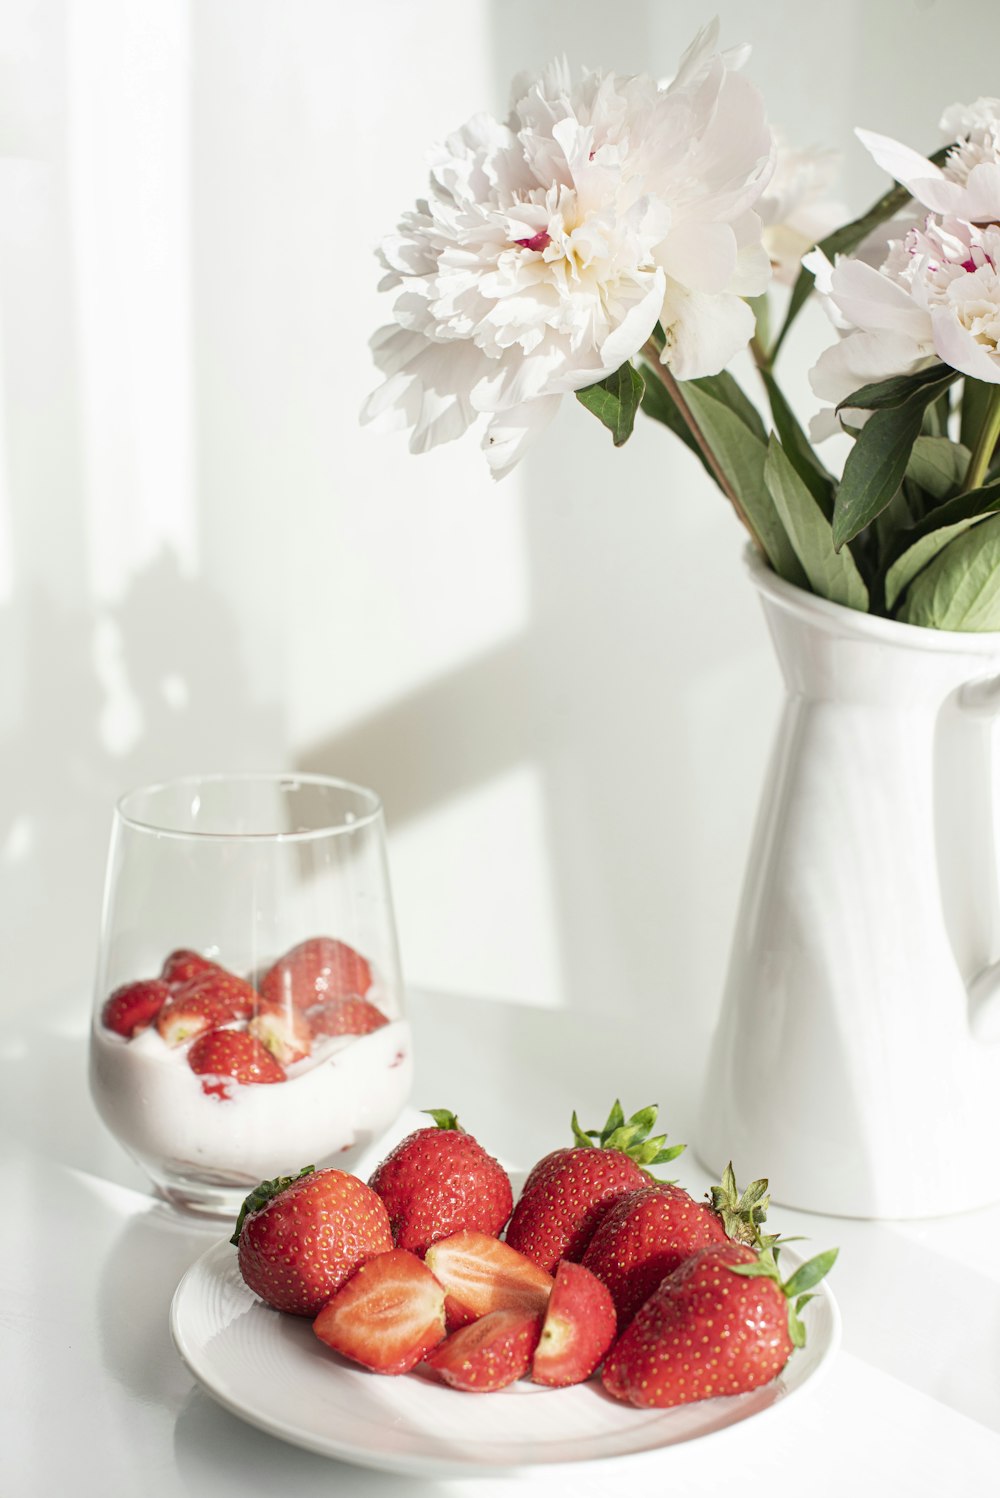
[[108, 699]]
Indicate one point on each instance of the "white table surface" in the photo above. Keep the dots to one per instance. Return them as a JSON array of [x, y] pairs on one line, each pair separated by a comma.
[[95, 1400]]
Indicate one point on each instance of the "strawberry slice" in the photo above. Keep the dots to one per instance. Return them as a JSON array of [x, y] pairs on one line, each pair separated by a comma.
[[134, 1006], [320, 968], [203, 1004], [579, 1328], [350, 1016], [490, 1354], [284, 1031], [480, 1274], [183, 965], [388, 1316], [233, 1053]]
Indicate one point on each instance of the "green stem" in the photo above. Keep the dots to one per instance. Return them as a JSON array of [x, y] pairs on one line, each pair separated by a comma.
[[651, 354], [989, 432]]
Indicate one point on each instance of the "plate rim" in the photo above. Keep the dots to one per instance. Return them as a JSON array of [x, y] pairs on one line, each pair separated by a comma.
[[438, 1465]]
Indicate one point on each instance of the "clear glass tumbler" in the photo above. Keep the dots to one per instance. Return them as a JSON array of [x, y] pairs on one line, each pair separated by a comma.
[[249, 1010]]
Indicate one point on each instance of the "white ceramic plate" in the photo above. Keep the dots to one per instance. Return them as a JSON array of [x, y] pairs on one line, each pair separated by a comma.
[[271, 1370]]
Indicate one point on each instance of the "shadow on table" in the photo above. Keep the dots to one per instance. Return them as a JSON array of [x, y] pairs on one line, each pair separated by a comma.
[[212, 1446]]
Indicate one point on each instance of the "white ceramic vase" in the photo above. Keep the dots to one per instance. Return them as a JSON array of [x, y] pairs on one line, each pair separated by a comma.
[[856, 1061]]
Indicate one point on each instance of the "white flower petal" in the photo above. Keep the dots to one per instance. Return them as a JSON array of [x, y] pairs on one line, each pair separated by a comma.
[[957, 347], [703, 332], [901, 162], [702, 256], [873, 301], [509, 434], [864, 359]]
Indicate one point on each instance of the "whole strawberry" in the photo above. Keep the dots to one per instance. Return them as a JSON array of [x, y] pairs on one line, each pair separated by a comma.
[[300, 1237], [438, 1181], [320, 968], [568, 1191], [646, 1234], [723, 1323]]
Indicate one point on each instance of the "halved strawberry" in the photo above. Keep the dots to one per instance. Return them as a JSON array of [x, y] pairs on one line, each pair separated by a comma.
[[579, 1328], [480, 1274], [134, 1006], [183, 965], [388, 1316], [213, 999], [284, 1031], [320, 968], [350, 1016], [490, 1354], [182, 1018], [234, 1053]]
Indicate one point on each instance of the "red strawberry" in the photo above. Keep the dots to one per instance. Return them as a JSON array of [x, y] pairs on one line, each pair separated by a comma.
[[300, 1237], [134, 1006], [284, 1031], [213, 999], [646, 1234], [723, 1323], [579, 1328], [388, 1315], [183, 965], [234, 1053], [568, 1191], [490, 1354], [480, 1274], [350, 1016], [320, 968], [439, 1180]]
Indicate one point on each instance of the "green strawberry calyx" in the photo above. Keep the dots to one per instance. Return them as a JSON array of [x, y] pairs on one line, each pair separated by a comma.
[[797, 1286], [630, 1136], [444, 1119], [262, 1194], [742, 1212]]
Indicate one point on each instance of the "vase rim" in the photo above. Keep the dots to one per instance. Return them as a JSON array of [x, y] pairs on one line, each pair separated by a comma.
[[836, 616]]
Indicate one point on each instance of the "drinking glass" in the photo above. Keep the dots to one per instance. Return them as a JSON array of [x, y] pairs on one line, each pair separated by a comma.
[[249, 1008]]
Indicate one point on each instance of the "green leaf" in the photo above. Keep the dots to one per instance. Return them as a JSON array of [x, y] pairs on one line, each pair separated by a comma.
[[729, 392], [444, 1119], [960, 588], [663, 1157], [644, 1120], [977, 397], [810, 1273], [938, 465], [796, 1330], [615, 401], [877, 462], [798, 449], [579, 1137], [831, 574], [887, 395], [741, 457], [915, 559], [756, 1270], [615, 1120]]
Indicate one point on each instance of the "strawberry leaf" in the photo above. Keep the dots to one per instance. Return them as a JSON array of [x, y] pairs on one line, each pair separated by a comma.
[[810, 1273], [262, 1194], [616, 1119], [583, 1139], [444, 1119]]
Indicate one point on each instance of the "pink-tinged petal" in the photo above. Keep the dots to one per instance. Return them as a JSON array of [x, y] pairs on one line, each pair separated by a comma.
[[704, 332], [957, 347], [871, 300], [510, 434]]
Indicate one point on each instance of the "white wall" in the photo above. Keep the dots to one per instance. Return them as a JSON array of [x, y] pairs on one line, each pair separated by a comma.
[[561, 684]]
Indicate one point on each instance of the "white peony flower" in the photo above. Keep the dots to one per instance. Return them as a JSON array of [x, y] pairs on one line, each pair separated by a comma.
[[549, 247], [936, 297], [795, 209], [967, 186]]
